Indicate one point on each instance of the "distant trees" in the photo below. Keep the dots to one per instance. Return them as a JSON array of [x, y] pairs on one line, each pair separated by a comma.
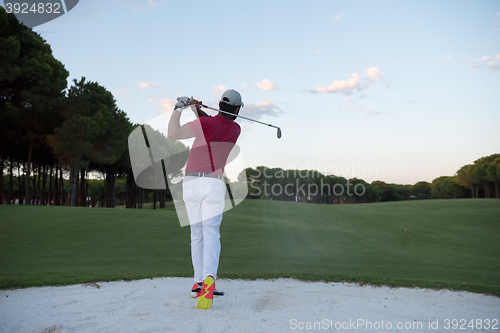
[[421, 190], [481, 179], [93, 130], [306, 186], [53, 137], [446, 187], [482, 176], [31, 82], [387, 192]]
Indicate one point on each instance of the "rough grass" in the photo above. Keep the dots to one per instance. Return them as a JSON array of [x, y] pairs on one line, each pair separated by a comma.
[[448, 244]]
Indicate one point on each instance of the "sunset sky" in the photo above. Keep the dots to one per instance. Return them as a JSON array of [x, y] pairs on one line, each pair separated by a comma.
[[397, 91]]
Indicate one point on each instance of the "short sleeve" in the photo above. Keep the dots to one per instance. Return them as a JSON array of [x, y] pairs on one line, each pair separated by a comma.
[[196, 127]]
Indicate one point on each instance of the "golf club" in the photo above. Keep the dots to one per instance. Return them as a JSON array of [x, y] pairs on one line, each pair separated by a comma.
[[232, 114]]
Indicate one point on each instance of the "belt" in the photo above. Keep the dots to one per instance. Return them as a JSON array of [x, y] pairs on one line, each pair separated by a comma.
[[203, 174]]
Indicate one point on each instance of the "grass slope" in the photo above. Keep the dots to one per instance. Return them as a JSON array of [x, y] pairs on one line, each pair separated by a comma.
[[448, 243]]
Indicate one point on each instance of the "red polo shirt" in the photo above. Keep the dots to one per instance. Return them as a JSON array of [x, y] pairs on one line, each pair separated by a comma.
[[214, 139]]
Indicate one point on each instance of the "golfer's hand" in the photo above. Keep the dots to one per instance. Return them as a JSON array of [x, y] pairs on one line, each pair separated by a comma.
[[182, 103], [196, 103], [196, 107]]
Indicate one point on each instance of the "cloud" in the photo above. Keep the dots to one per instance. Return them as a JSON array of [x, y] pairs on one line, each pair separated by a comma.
[[485, 58], [264, 108], [374, 73], [266, 85], [497, 16], [219, 90], [412, 101], [345, 86], [167, 105], [493, 66], [338, 17], [351, 106], [124, 91], [447, 58], [373, 113], [143, 85]]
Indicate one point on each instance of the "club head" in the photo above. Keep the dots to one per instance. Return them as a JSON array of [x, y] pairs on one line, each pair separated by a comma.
[[279, 133]]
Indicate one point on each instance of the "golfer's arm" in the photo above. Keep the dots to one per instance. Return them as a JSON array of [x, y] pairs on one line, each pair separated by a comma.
[[175, 130], [200, 113]]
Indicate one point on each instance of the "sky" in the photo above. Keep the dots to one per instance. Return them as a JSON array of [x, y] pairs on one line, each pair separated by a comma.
[[398, 91]]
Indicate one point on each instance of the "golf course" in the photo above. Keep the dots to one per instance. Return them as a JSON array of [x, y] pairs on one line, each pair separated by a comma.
[[426, 243]]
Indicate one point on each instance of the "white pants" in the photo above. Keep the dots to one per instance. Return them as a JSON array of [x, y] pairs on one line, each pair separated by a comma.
[[204, 198]]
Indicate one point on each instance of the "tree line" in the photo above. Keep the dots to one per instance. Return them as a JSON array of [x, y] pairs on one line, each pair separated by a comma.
[[56, 139], [478, 180]]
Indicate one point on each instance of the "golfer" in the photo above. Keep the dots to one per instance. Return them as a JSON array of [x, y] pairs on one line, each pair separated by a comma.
[[204, 190]]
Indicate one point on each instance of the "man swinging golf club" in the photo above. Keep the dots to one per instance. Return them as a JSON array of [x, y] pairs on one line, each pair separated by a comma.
[[203, 187]]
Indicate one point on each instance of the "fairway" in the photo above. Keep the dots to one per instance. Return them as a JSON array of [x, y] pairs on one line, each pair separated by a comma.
[[448, 243]]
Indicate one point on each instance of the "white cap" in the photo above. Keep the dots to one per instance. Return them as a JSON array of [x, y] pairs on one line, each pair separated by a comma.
[[232, 97]]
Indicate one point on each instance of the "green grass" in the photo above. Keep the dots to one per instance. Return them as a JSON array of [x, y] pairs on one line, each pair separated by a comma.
[[149, 205], [448, 243]]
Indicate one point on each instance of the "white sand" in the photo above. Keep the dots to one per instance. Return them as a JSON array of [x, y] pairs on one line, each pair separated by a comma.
[[164, 304]]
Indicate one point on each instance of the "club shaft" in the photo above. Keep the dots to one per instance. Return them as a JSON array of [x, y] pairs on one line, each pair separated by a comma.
[[232, 114]]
